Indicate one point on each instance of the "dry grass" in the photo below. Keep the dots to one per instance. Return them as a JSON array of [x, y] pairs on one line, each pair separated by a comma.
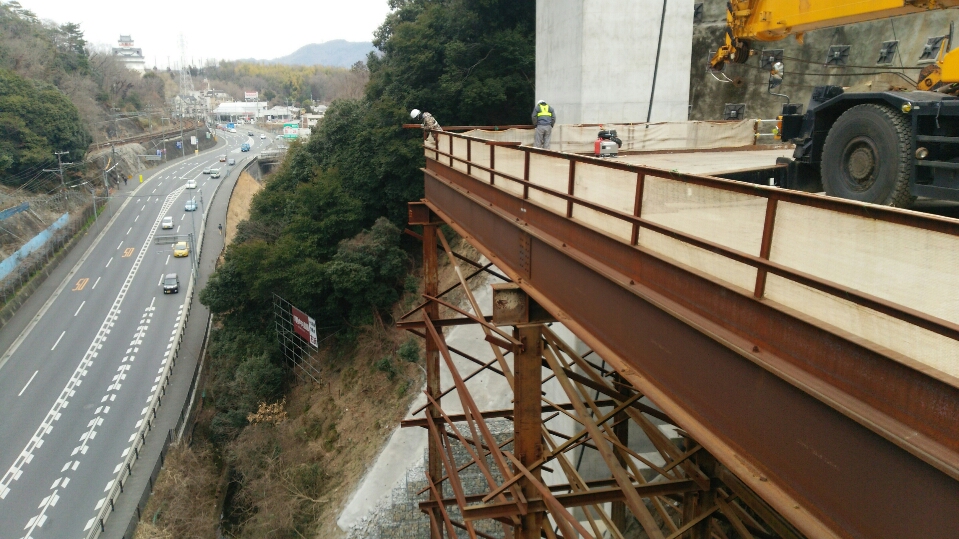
[[184, 501], [239, 208], [294, 469]]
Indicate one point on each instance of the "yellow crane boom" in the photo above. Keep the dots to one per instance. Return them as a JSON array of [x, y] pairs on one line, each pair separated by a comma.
[[773, 20]]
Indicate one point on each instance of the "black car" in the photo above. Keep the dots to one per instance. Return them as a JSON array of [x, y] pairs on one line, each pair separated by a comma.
[[171, 283], [250, 133]]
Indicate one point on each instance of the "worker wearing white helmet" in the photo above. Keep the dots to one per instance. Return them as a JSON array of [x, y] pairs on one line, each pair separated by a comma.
[[429, 122], [544, 118]]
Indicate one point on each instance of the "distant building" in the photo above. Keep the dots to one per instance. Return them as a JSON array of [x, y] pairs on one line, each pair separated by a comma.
[[310, 120], [130, 56]]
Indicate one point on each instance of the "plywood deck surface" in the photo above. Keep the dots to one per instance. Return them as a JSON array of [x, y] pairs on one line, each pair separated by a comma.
[[708, 162]]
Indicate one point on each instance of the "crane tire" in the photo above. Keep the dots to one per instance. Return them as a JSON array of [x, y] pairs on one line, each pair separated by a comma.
[[868, 156]]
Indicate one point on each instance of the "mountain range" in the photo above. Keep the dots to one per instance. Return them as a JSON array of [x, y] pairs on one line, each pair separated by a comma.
[[336, 53]]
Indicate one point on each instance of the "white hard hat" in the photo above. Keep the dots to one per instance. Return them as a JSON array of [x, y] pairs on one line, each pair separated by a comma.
[[414, 113], [541, 102]]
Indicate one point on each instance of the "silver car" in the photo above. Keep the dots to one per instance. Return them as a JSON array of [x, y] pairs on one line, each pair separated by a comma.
[[167, 222]]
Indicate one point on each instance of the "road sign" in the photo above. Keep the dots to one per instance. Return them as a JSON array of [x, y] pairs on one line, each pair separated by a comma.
[[159, 152], [231, 126], [151, 157], [193, 140], [179, 144]]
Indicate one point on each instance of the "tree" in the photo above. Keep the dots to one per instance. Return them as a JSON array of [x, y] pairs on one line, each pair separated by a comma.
[[467, 62], [36, 120]]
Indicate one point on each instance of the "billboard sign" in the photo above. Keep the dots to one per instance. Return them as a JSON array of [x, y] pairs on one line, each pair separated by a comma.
[[291, 130], [251, 96], [231, 126], [304, 326], [193, 140]]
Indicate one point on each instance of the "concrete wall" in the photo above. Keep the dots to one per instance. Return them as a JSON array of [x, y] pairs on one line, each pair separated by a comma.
[[804, 62], [595, 59]]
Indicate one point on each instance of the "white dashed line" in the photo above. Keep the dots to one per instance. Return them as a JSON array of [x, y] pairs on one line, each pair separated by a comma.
[[108, 262], [58, 340], [95, 284], [28, 383], [80, 307]]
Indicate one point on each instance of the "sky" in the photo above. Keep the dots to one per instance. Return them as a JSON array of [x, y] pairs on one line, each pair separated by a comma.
[[224, 30]]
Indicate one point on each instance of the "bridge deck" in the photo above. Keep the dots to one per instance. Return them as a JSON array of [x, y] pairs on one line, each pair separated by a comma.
[[810, 344]]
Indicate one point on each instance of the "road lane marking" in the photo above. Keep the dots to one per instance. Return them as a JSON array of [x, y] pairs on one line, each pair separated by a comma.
[[82, 283], [54, 414], [178, 229], [128, 251], [108, 262], [28, 383], [167, 260], [182, 216], [95, 284], [58, 339], [135, 219], [118, 246], [128, 231], [80, 307], [161, 279]]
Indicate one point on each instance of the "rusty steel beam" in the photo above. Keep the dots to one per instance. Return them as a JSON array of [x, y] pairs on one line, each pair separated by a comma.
[[489, 414], [592, 497], [839, 439]]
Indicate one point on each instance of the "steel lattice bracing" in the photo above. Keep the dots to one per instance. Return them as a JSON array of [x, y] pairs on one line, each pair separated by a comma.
[[838, 431], [677, 491]]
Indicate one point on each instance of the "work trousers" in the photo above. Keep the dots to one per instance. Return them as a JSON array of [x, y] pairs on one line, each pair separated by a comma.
[[543, 134]]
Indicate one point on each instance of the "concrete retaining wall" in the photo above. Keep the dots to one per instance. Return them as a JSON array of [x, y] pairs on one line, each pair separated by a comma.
[[804, 62]]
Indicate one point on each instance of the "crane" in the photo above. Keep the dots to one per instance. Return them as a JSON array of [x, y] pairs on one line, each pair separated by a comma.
[[879, 147]]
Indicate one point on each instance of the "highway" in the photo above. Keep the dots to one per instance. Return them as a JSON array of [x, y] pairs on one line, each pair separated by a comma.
[[75, 383]]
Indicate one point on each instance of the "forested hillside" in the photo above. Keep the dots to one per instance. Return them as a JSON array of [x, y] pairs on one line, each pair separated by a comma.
[[325, 233], [58, 95], [286, 84]]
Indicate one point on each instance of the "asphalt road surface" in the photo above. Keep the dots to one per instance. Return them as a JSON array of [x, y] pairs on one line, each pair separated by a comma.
[[75, 384]]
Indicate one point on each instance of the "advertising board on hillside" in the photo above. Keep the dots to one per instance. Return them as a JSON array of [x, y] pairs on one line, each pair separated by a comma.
[[304, 326]]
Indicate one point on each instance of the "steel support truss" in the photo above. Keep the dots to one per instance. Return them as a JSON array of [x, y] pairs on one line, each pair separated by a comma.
[[678, 490]]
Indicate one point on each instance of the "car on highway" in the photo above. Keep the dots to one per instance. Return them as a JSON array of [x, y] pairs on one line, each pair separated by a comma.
[[190, 205], [215, 173], [207, 170], [167, 222], [262, 136], [222, 158], [232, 130], [181, 249], [171, 283], [244, 147], [191, 184], [231, 162], [250, 133]]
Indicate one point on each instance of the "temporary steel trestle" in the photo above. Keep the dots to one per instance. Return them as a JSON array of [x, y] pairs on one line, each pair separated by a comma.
[[782, 424]]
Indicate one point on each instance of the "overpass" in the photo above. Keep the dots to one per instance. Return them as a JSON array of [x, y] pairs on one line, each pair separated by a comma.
[[802, 349]]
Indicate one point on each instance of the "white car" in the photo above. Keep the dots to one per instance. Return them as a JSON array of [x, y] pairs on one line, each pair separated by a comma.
[[167, 222], [191, 184], [262, 136]]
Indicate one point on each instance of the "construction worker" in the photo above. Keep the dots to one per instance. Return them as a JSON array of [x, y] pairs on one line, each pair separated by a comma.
[[544, 118], [429, 123]]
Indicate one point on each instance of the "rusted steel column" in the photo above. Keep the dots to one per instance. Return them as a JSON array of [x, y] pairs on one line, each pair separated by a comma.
[[707, 498], [621, 430], [528, 419], [766, 245], [431, 283]]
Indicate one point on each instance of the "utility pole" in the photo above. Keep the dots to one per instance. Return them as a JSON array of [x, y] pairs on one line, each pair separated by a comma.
[[182, 142], [59, 169]]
